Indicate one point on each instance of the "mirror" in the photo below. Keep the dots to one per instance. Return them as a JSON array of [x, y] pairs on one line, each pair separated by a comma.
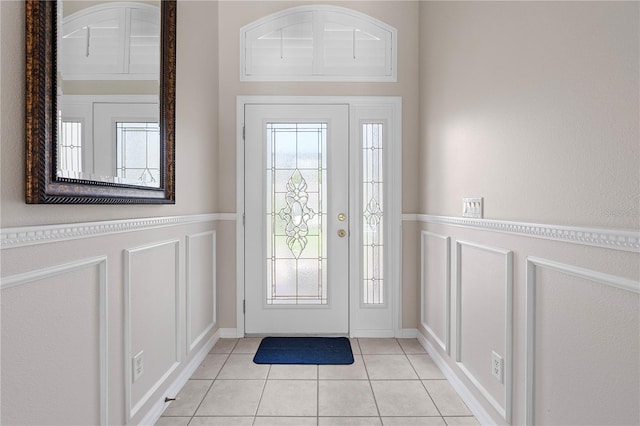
[[100, 101]]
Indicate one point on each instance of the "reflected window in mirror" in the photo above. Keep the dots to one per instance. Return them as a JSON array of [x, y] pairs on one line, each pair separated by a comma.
[[137, 152], [109, 55], [90, 66], [70, 142]]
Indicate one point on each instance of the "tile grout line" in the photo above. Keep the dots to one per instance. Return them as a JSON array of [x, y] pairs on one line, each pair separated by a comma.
[[375, 401], [422, 384], [317, 422], [214, 380], [317, 395]]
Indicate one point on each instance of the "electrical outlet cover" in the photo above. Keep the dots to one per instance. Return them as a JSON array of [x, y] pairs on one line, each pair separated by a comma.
[[496, 366], [138, 366]]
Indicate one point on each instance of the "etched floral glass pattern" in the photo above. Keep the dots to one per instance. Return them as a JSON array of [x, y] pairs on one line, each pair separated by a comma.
[[372, 214], [296, 213]]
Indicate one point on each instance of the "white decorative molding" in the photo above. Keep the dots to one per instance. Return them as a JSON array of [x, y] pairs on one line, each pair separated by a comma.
[[191, 344], [532, 264], [131, 409], [444, 345], [617, 239], [103, 349], [31, 235], [474, 405], [503, 410], [154, 413], [226, 216]]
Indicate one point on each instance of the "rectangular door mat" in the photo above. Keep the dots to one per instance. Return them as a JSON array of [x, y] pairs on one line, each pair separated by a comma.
[[304, 350]]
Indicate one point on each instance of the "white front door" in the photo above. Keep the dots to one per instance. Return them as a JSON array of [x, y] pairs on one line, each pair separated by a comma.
[[296, 219]]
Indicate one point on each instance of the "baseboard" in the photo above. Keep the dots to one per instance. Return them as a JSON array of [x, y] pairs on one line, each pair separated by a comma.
[[228, 333], [408, 333], [158, 408], [474, 405]]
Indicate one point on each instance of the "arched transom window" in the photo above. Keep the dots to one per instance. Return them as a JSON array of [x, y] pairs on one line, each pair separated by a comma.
[[322, 43]]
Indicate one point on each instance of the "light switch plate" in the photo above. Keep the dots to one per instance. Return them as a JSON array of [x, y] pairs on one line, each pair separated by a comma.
[[473, 207]]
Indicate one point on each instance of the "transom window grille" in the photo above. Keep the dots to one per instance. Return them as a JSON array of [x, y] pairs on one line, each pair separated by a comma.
[[112, 41], [138, 152], [296, 213], [70, 146], [308, 43], [372, 214]]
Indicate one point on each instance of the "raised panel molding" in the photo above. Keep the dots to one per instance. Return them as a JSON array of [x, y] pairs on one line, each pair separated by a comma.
[[191, 341], [503, 410], [533, 263], [625, 240], [100, 263], [132, 407], [443, 342], [32, 235]]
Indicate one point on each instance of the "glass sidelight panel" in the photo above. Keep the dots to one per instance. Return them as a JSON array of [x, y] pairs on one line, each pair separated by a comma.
[[70, 146], [138, 152], [296, 213], [372, 214]]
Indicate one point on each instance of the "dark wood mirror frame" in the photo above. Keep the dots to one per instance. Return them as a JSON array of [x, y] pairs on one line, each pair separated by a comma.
[[42, 184]]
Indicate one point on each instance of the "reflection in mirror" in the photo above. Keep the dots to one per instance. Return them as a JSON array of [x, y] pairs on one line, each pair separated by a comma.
[[108, 91], [100, 101]]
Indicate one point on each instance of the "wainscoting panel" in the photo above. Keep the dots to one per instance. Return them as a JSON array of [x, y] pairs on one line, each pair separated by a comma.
[[151, 328], [563, 351], [484, 306], [560, 305], [201, 286], [36, 362], [435, 287], [80, 300]]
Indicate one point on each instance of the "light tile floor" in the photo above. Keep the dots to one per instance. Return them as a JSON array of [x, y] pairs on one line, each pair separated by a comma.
[[391, 382]]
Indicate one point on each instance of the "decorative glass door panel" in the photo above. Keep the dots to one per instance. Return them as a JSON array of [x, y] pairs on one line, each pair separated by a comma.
[[296, 248], [296, 219], [373, 218]]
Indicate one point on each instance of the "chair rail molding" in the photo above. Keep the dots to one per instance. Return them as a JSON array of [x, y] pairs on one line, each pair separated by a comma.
[[617, 239], [41, 234]]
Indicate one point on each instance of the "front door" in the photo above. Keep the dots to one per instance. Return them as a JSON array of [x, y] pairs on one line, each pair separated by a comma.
[[296, 219]]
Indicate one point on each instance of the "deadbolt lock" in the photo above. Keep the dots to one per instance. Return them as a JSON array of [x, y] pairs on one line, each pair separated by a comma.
[[342, 217]]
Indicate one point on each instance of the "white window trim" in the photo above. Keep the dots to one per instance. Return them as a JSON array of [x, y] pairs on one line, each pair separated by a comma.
[[84, 16], [343, 78]]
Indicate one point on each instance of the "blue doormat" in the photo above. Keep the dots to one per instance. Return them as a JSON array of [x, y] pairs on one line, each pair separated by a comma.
[[304, 350]]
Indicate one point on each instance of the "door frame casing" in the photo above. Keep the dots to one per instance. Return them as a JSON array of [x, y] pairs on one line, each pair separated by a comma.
[[393, 215]]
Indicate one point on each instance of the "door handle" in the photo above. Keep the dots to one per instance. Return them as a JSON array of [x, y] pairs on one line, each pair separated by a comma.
[[342, 233]]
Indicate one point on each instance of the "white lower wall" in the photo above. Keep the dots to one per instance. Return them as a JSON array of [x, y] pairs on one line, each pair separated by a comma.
[[563, 314], [79, 301]]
